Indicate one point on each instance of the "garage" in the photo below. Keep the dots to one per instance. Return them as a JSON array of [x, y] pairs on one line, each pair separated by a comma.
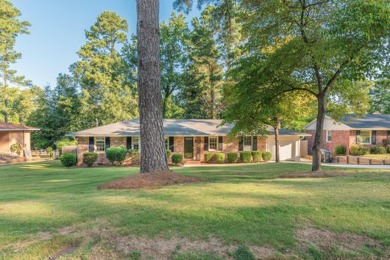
[[289, 147]]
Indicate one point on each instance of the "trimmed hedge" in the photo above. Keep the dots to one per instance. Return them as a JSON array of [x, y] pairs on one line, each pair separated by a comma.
[[90, 158], [357, 150], [257, 156], [68, 159], [168, 153], [340, 150], [377, 150], [266, 156], [246, 157], [116, 155], [208, 157], [177, 158], [220, 157], [232, 157]]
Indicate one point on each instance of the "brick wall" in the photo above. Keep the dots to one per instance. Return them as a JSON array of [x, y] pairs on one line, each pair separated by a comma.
[[339, 137]]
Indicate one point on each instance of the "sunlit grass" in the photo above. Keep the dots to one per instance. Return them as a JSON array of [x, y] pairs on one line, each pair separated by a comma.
[[246, 204]]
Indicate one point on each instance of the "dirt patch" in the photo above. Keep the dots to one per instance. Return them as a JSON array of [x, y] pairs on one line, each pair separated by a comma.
[[44, 235], [327, 240], [149, 181], [318, 174], [160, 248], [62, 252], [66, 230]]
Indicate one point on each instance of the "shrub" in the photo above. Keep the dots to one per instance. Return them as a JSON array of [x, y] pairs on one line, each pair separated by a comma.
[[90, 158], [232, 157], [116, 155], [68, 159], [256, 156], [246, 157], [208, 157], [358, 150], [49, 150], [177, 158], [135, 156], [220, 157], [168, 153], [377, 150], [266, 156], [16, 148], [388, 149], [340, 150], [243, 252], [385, 142]]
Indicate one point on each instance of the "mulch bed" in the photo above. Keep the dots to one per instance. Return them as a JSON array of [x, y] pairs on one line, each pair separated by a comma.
[[319, 174], [149, 181]]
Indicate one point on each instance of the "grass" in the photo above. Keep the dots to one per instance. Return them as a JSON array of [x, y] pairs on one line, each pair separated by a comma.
[[378, 156], [47, 209]]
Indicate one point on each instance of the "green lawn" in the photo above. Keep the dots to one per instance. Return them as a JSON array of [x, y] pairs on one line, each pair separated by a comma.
[[46, 209]]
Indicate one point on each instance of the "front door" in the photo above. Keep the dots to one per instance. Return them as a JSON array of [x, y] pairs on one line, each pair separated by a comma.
[[188, 147]]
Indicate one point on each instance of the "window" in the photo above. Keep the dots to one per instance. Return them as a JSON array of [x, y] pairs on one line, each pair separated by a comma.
[[213, 143], [363, 137], [328, 136], [135, 143], [100, 144], [247, 143]]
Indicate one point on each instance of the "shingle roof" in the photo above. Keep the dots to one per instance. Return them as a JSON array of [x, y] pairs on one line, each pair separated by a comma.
[[13, 127], [172, 127], [370, 121]]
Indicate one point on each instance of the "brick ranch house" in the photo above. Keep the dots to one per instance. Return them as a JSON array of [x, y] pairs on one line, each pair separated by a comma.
[[370, 130], [190, 137], [15, 134]]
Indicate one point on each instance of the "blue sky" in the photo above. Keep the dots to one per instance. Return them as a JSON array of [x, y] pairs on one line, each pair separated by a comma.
[[57, 32]]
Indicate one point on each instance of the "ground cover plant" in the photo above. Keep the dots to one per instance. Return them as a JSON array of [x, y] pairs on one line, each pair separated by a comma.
[[241, 209]]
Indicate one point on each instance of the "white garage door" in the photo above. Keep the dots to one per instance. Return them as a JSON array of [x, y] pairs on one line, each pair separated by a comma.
[[286, 149]]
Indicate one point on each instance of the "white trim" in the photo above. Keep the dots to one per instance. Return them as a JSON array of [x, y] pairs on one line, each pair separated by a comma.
[[216, 143], [104, 144]]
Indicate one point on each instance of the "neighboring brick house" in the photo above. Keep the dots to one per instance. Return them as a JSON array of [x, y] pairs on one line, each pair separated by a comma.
[[15, 134], [369, 131], [190, 137]]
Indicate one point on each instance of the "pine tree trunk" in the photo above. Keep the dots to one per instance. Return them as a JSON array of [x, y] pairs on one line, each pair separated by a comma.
[[316, 164], [153, 156], [276, 130]]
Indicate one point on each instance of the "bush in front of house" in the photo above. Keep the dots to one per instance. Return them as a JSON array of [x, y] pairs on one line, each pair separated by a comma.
[[388, 149], [116, 155], [50, 151], [16, 148], [89, 158], [266, 156], [232, 157], [377, 150], [340, 150], [68, 159], [220, 157], [208, 157], [246, 157], [177, 158], [168, 152], [64, 142], [256, 156], [135, 156], [358, 150]]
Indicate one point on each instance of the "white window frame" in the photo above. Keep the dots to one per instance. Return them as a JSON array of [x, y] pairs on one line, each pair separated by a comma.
[[370, 136], [166, 142], [97, 146], [216, 143], [135, 143], [327, 136]]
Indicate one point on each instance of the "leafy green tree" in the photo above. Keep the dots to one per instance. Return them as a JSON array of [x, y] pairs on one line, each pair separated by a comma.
[[324, 48], [106, 95], [380, 97], [10, 28], [173, 61], [204, 73]]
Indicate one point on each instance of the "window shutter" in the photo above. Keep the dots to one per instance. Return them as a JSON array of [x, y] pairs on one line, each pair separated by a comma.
[[357, 135], [254, 143], [91, 147], [128, 142], [206, 143], [241, 144], [388, 136], [108, 143], [220, 143], [373, 137], [171, 144]]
